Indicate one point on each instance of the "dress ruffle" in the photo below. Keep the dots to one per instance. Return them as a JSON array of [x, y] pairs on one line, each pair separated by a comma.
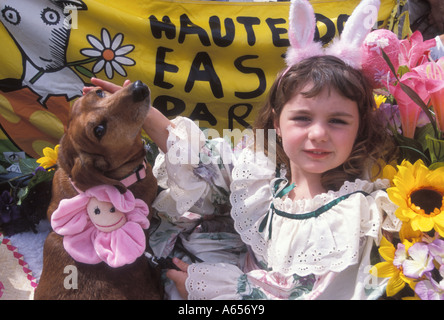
[[328, 242]]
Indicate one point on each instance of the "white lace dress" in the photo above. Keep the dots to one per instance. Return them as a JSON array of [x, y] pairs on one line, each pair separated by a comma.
[[254, 244]]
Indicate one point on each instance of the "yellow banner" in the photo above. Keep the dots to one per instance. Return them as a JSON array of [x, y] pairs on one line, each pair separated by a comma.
[[211, 61]]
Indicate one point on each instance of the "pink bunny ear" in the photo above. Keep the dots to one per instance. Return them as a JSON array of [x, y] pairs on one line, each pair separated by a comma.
[[302, 26], [348, 46]]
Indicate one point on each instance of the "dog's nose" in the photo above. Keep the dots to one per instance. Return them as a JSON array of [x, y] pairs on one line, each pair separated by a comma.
[[140, 91]]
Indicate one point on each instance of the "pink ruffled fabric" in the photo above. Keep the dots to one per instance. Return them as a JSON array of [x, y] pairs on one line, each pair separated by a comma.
[[87, 244]]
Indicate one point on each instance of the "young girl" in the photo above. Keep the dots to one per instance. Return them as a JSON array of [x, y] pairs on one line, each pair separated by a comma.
[[300, 227]]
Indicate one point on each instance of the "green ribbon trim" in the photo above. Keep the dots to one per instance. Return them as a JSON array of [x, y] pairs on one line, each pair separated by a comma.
[[314, 214], [317, 212]]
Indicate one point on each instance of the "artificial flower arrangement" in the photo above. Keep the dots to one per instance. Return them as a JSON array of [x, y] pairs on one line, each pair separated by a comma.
[[25, 196], [410, 96]]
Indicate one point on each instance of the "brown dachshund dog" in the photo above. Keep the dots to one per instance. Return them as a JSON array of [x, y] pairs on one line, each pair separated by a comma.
[[102, 145]]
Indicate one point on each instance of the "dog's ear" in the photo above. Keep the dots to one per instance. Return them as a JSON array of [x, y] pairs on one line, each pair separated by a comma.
[[81, 168], [85, 175], [66, 154]]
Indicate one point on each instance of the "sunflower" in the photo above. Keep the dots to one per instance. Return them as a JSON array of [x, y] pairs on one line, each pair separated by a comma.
[[418, 192], [49, 158]]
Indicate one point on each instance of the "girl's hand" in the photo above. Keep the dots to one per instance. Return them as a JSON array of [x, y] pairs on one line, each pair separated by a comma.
[[179, 277], [105, 85]]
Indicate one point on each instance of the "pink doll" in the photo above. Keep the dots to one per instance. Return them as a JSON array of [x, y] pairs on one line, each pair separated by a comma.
[[101, 224]]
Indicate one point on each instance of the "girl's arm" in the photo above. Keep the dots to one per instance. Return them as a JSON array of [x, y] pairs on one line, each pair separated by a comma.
[[234, 284], [155, 124]]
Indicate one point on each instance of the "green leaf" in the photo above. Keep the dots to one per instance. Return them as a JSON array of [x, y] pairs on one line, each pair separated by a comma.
[[411, 149], [436, 149], [421, 134], [436, 165], [389, 63], [37, 178], [86, 72], [403, 70], [28, 165]]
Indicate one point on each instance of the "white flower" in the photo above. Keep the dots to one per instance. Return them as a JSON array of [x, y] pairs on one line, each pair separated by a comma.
[[418, 262], [376, 43], [110, 54], [430, 289], [400, 255]]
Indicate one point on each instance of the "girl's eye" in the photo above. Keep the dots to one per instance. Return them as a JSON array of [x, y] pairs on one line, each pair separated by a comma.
[[301, 119], [112, 209], [338, 121]]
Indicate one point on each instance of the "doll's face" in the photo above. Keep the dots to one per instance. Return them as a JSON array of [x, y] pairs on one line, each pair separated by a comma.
[[104, 216]]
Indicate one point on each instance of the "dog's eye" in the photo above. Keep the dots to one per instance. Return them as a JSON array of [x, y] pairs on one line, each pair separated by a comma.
[[100, 93], [99, 131]]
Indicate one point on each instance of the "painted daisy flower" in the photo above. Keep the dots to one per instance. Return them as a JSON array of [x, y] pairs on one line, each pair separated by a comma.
[[418, 192], [110, 54]]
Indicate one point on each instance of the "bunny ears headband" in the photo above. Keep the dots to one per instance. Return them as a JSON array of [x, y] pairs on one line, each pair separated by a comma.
[[302, 26]]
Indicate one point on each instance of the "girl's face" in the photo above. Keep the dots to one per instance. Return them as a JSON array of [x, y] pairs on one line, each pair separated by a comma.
[[318, 133]]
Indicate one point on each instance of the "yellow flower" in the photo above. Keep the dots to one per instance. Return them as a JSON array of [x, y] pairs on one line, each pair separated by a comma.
[[407, 233], [50, 157], [379, 99], [388, 171], [419, 192], [387, 269]]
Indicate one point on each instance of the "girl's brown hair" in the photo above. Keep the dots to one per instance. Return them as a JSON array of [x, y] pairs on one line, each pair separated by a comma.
[[329, 72]]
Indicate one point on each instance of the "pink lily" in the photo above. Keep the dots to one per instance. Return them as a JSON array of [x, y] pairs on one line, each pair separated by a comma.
[[409, 110], [438, 106], [432, 74], [414, 51]]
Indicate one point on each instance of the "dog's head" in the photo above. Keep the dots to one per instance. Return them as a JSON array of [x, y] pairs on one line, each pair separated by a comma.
[[103, 137]]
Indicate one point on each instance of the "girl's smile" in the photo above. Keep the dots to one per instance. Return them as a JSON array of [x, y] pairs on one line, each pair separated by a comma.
[[317, 154]]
